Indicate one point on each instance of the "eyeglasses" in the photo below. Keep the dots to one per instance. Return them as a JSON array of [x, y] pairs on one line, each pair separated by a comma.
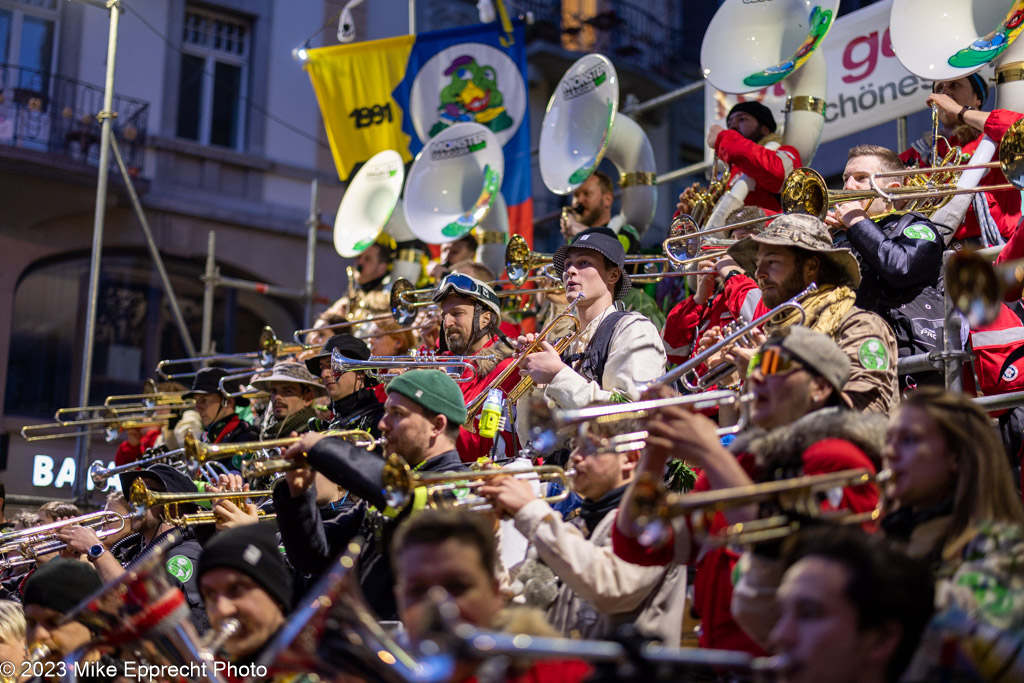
[[773, 361]]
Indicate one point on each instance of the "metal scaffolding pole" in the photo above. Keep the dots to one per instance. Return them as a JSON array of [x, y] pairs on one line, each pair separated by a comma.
[[104, 116], [312, 225]]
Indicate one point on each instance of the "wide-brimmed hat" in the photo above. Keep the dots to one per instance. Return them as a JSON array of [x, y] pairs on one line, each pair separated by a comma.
[[605, 242], [207, 381], [290, 371], [798, 231], [347, 345]]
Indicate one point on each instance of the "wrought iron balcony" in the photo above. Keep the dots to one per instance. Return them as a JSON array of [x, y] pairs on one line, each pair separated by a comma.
[[57, 115]]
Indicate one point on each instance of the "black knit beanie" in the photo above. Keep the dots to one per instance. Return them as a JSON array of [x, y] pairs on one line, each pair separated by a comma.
[[61, 584], [251, 550]]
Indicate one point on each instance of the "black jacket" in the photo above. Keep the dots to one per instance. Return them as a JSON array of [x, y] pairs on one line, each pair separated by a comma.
[[182, 564], [358, 410], [311, 543]]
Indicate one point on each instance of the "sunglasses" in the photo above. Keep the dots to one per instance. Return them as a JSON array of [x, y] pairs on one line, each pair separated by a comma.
[[773, 361]]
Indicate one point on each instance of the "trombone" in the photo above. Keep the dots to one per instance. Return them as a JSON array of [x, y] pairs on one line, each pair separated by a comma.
[[100, 474], [254, 469], [110, 427], [150, 398], [798, 497], [477, 404], [21, 548], [453, 366], [619, 443], [197, 453], [270, 349], [454, 489], [142, 499], [698, 360], [403, 305]]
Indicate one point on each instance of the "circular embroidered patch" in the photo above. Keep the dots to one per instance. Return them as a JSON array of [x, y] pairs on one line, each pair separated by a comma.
[[873, 355], [180, 567], [919, 232]]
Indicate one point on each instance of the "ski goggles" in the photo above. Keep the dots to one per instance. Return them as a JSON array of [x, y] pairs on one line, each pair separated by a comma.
[[774, 361], [466, 286]]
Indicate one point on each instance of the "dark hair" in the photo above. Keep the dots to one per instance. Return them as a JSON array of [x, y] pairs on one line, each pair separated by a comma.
[[889, 160], [58, 509], [884, 584], [827, 273], [387, 255], [332, 318], [451, 428], [470, 239], [607, 187], [434, 527]]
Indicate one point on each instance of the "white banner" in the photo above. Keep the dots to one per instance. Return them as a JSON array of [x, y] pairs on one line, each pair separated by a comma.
[[867, 85]]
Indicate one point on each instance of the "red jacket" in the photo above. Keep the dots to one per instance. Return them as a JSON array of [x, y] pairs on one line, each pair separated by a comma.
[[767, 168], [127, 453], [555, 671], [712, 588], [1004, 205], [688, 320], [472, 446]]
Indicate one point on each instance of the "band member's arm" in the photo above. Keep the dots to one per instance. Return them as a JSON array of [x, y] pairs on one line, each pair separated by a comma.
[[680, 328], [636, 355], [357, 469], [767, 167], [592, 572], [913, 257], [310, 543], [872, 388], [742, 295]]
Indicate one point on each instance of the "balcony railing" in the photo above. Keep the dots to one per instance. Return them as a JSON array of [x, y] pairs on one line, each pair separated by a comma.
[[626, 32], [57, 115]]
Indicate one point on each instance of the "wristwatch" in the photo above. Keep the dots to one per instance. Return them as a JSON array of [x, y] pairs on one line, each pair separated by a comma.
[[96, 551], [960, 116]]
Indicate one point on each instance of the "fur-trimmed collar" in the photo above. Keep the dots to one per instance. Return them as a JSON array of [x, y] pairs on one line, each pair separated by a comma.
[[783, 447], [497, 348]]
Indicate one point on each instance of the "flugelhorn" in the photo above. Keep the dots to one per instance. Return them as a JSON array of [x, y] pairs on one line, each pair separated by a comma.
[[22, 547], [453, 366], [698, 360], [474, 406], [255, 468], [453, 489], [142, 500], [653, 508]]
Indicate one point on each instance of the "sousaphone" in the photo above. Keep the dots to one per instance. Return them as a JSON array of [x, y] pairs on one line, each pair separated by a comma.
[[453, 183], [368, 203], [749, 46], [582, 125]]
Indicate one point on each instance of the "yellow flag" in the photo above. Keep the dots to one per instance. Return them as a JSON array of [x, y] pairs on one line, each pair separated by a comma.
[[353, 84]]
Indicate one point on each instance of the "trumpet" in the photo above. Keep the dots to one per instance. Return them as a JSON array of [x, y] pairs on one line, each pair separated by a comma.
[[799, 496], [142, 499], [211, 517], [110, 427], [452, 489], [520, 260], [254, 469], [245, 391], [197, 452], [698, 360], [20, 548], [453, 366], [100, 474], [525, 383]]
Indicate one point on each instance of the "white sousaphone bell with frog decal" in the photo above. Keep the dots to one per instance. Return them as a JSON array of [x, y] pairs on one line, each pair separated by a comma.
[[780, 41], [582, 125], [368, 208]]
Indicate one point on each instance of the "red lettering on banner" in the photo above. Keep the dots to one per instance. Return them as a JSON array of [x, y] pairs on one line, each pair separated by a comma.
[[887, 50], [870, 62]]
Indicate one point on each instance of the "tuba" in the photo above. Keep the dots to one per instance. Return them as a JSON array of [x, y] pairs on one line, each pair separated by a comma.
[[582, 125], [963, 37], [781, 41]]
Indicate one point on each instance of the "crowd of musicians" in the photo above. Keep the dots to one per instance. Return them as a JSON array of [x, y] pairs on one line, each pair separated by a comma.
[[895, 550]]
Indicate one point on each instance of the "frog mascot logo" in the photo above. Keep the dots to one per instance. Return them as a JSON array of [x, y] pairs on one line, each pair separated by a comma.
[[472, 95], [468, 82]]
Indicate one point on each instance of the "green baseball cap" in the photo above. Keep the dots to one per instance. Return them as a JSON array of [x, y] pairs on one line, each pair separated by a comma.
[[433, 390]]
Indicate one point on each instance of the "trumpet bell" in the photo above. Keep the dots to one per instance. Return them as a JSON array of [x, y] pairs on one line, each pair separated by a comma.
[[963, 35], [777, 38], [368, 203], [453, 182]]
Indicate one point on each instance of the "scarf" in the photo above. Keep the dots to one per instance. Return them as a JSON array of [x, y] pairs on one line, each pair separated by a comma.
[[825, 309], [593, 511], [296, 422]]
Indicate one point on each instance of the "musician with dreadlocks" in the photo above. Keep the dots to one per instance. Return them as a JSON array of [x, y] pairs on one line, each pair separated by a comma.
[[470, 315]]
